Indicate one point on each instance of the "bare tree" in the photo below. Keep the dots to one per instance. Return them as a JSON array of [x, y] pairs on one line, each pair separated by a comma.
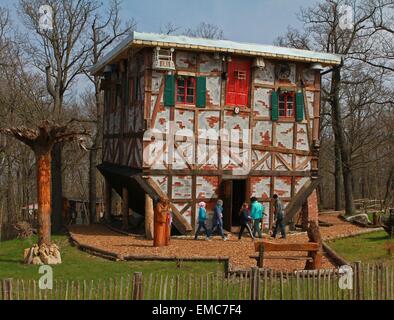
[[205, 30], [169, 28], [41, 141], [61, 54], [322, 24]]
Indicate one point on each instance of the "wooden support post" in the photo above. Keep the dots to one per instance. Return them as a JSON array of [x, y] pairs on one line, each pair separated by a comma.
[[260, 261], [138, 293], [125, 209], [108, 200], [149, 214], [317, 258], [7, 289]]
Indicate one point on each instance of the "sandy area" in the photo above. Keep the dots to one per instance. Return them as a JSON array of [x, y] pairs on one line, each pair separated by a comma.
[[238, 251]]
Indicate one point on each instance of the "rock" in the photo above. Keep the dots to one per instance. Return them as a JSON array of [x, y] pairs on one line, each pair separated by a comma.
[[48, 255], [36, 261], [360, 218]]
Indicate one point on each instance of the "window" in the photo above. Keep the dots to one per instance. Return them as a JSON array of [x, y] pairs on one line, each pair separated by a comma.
[[186, 90], [286, 104], [238, 83]]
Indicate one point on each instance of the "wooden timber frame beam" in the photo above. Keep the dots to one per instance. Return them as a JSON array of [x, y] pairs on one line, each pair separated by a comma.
[[299, 199]]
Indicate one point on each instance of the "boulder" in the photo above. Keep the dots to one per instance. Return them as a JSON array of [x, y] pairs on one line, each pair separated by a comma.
[[48, 255], [359, 218]]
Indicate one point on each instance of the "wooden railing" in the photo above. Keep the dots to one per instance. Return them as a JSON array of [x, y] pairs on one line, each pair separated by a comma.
[[368, 205], [370, 282]]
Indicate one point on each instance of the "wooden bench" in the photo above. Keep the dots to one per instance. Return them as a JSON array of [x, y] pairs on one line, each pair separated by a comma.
[[313, 259]]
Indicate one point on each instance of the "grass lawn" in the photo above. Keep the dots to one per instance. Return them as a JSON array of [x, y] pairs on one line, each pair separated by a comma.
[[367, 248], [78, 265]]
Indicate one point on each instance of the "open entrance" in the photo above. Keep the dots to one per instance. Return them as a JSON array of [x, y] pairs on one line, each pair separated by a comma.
[[234, 195]]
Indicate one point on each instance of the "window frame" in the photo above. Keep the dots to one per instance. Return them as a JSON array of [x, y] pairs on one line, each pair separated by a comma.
[[187, 80], [286, 95]]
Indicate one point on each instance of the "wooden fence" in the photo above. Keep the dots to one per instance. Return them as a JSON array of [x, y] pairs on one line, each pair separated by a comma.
[[368, 205], [370, 282]]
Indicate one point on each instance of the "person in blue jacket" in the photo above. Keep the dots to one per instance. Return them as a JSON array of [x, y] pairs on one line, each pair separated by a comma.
[[218, 220], [202, 218], [256, 214]]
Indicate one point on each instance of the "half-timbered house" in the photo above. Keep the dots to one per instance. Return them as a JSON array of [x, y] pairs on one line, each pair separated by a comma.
[[195, 120]]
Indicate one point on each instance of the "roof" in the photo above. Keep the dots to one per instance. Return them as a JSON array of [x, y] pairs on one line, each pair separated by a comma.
[[138, 39]]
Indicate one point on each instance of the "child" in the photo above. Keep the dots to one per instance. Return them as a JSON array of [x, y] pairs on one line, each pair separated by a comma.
[[218, 219], [244, 219], [202, 217]]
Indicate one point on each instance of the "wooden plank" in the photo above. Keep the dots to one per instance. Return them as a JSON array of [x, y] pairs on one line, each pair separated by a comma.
[[296, 258], [271, 247]]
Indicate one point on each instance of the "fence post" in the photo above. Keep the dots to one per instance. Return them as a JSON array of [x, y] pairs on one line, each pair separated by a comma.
[[254, 284], [260, 261], [137, 286], [7, 289], [358, 280]]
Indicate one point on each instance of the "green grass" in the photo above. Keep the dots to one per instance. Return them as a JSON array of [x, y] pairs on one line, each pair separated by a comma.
[[78, 265], [367, 248]]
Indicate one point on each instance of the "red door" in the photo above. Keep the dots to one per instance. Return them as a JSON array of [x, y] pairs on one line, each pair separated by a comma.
[[238, 83]]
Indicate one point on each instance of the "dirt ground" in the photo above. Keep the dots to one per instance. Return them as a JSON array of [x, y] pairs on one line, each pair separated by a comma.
[[238, 251]]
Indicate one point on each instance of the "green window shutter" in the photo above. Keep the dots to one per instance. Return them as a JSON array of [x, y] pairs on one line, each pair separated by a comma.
[[169, 91], [274, 106], [201, 88], [300, 106]]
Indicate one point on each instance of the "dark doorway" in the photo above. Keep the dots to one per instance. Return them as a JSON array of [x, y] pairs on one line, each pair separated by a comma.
[[239, 193], [233, 195]]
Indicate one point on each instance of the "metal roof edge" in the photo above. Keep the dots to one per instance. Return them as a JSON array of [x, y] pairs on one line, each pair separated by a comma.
[[252, 49]]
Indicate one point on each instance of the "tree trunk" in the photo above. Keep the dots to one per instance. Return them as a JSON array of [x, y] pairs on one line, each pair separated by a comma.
[[340, 140], [57, 188], [149, 214], [93, 185], [44, 197], [388, 197], [338, 178]]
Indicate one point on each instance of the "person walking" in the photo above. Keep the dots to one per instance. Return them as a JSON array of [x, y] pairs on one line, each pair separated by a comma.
[[256, 214], [202, 218], [244, 220], [280, 215], [218, 220]]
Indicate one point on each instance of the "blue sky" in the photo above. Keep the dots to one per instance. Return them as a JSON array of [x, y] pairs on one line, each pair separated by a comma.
[[260, 21]]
